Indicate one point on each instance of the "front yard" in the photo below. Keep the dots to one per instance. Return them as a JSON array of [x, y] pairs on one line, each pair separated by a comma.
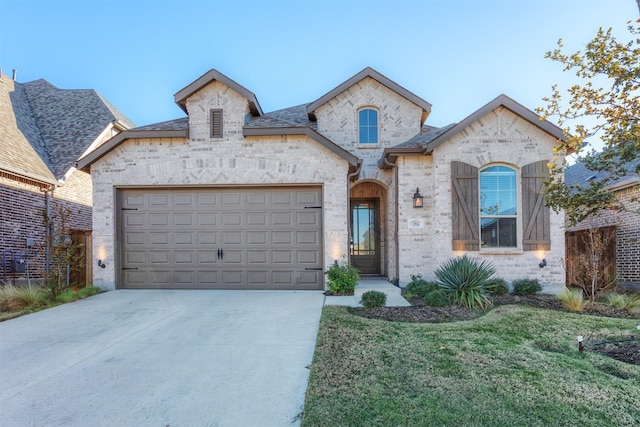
[[515, 366]]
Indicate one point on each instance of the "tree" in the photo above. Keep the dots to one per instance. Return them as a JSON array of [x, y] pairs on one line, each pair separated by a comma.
[[615, 107]]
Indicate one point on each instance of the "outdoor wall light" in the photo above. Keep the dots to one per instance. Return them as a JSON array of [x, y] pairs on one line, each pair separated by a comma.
[[101, 264], [543, 263], [417, 199]]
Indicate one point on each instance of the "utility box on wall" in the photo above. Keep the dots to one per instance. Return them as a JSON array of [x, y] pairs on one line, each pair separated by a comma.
[[17, 265]]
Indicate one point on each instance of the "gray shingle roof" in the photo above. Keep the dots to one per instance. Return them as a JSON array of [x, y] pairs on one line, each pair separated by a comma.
[[426, 135], [176, 124], [578, 174], [293, 116], [48, 128]]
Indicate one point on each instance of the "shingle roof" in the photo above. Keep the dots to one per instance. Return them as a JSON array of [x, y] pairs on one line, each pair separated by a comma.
[[293, 116], [176, 124], [426, 135], [578, 174], [58, 125]]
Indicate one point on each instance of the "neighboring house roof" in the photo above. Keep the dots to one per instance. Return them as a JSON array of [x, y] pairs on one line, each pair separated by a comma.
[[578, 174], [210, 76], [426, 143], [370, 72], [48, 128]]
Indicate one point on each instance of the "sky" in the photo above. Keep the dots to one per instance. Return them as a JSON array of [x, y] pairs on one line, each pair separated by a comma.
[[456, 54]]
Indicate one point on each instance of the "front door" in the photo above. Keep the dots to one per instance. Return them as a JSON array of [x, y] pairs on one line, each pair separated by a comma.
[[365, 236]]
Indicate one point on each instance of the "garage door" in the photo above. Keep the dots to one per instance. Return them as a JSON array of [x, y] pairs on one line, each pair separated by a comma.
[[223, 238]]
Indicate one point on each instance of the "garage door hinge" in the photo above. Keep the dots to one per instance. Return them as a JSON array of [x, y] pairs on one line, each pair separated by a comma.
[[313, 207], [129, 209]]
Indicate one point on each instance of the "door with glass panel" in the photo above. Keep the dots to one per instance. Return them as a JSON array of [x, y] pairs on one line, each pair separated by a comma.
[[365, 236]]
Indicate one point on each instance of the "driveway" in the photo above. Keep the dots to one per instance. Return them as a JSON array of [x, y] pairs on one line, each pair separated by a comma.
[[161, 358]]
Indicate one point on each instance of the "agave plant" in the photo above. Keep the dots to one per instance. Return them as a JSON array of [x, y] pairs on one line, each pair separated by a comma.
[[466, 281]]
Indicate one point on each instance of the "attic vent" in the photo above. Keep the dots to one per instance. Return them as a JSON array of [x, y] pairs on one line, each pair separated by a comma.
[[216, 123]]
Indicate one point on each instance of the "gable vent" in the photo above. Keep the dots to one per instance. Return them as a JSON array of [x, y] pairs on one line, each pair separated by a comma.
[[216, 123]]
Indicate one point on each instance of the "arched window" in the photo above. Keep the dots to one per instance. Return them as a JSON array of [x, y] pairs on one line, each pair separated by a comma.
[[498, 207], [368, 126]]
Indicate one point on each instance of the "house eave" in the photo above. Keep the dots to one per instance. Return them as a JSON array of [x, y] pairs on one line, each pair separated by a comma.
[[390, 155]]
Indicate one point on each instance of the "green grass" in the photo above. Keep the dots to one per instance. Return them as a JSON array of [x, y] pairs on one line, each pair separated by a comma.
[[15, 301], [515, 366]]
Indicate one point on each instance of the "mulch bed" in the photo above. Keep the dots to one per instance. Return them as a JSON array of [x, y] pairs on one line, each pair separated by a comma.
[[626, 351]]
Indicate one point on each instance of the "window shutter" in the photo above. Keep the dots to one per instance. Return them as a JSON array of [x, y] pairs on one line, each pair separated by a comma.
[[465, 207], [216, 123], [535, 214]]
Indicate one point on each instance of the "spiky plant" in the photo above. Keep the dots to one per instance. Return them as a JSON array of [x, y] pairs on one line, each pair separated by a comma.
[[465, 280], [572, 299], [629, 302]]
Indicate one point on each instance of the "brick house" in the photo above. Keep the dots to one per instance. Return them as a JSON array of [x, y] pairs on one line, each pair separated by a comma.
[[625, 222], [43, 130], [232, 197]]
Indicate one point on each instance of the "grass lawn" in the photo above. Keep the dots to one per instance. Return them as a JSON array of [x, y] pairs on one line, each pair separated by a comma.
[[515, 366]]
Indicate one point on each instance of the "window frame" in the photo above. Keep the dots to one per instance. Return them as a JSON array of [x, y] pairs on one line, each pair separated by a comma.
[[360, 126], [216, 128], [517, 190]]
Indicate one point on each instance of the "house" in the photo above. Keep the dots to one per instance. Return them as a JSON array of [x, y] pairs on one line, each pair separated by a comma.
[[624, 223], [233, 197], [43, 131]]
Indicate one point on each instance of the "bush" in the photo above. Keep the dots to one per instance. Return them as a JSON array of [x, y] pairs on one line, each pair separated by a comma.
[[420, 287], [371, 299], [436, 298], [526, 287], [342, 278], [497, 287], [629, 302], [572, 299], [465, 279], [15, 299]]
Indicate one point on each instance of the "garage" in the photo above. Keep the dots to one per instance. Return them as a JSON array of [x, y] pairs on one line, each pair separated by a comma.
[[220, 238]]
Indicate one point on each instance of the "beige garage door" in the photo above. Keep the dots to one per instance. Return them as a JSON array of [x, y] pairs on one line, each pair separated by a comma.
[[223, 238]]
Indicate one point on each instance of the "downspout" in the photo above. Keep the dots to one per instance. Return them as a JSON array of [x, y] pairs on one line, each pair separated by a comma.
[[47, 214], [397, 221], [350, 176]]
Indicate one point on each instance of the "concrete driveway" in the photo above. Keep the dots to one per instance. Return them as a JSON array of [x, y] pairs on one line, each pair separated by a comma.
[[161, 358]]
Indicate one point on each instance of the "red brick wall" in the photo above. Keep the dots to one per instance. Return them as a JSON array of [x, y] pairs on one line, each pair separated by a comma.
[[22, 206]]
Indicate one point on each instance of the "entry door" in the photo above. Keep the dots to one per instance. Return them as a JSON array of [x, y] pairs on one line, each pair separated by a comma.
[[365, 236]]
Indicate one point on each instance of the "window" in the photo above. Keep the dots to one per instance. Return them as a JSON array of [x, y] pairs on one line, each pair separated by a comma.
[[498, 207], [484, 206], [368, 126], [216, 123]]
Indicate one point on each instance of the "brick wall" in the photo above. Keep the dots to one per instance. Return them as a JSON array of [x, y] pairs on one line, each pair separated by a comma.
[[426, 234], [627, 224]]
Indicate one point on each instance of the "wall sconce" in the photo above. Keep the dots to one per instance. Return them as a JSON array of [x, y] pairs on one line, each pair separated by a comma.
[[417, 199], [101, 264], [543, 263]]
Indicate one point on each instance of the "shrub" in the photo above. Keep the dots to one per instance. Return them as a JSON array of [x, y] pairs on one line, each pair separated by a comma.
[[526, 286], [464, 280], [15, 299], [371, 299], [497, 287], [342, 278], [629, 302], [420, 287], [572, 299], [436, 298]]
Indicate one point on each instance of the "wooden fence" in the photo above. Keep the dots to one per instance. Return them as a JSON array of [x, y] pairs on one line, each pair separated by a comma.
[[578, 256], [83, 275]]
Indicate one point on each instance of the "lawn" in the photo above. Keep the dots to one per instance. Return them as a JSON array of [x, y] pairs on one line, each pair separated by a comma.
[[515, 366]]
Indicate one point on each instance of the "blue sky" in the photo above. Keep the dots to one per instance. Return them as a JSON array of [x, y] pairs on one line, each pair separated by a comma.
[[456, 54]]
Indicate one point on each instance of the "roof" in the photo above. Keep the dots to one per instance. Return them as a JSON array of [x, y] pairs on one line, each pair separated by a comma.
[[578, 174], [45, 129], [370, 72], [426, 143], [214, 75]]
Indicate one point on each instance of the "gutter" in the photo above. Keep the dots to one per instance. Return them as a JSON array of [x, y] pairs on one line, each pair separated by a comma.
[[351, 177]]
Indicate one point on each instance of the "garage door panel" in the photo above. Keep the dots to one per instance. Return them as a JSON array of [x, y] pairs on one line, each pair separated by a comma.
[[221, 238]]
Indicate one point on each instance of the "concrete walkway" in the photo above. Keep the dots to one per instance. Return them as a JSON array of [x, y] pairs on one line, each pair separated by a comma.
[[394, 298], [161, 358]]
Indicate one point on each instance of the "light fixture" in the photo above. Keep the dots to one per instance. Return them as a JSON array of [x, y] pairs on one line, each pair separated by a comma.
[[543, 263], [580, 346], [417, 199], [101, 264]]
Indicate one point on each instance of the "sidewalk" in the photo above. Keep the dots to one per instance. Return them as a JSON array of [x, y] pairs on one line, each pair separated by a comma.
[[394, 299]]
